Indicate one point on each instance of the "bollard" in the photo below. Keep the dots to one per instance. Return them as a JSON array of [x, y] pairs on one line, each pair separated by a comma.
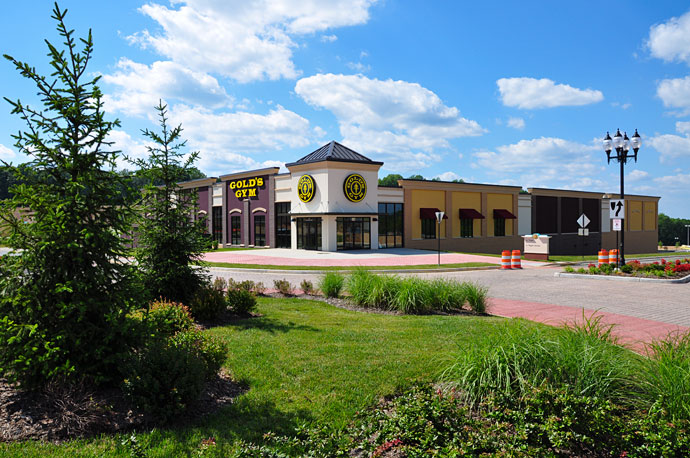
[[603, 257], [505, 259], [515, 260]]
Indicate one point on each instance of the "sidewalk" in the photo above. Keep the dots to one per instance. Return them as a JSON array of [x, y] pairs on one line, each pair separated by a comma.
[[633, 332], [387, 257]]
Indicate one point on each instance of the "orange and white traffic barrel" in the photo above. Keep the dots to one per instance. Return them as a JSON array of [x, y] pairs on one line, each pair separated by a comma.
[[613, 257], [505, 259], [603, 257], [515, 260]]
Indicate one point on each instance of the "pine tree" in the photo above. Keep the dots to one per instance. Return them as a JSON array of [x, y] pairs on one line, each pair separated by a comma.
[[170, 235], [65, 296]]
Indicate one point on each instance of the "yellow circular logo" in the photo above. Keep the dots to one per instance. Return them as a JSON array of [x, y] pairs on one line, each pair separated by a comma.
[[306, 188], [355, 187]]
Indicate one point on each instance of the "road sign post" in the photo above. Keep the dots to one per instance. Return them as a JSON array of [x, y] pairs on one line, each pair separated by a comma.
[[439, 218], [583, 221]]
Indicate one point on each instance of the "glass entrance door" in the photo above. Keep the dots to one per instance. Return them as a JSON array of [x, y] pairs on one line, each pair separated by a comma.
[[354, 233], [309, 233]]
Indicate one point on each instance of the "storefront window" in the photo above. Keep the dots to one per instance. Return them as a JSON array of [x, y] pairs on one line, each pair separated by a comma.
[[235, 230], [260, 230], [390, 225], [282, 236], [428, 228], [353, 233], [217, 224], [466, 227], [499, 227]]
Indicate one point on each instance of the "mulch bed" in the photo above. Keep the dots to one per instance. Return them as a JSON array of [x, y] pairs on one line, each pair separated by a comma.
[[57, 412]]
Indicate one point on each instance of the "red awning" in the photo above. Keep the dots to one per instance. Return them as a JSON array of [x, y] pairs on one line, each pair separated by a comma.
[[470, 213], [505, 214], [429, 213]]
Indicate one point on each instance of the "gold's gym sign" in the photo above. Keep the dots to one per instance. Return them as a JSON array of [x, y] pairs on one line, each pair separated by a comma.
[[246, 188], [306, 188], [355, 187]]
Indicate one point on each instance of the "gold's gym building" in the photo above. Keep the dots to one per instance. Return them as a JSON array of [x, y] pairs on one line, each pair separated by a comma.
[[330, 200]]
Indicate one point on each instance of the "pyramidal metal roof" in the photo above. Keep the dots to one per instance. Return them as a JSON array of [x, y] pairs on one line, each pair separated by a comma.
[[334, 151]]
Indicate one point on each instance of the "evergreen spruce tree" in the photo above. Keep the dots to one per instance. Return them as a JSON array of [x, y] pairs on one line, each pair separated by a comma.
[[65, 295], [170, 234]]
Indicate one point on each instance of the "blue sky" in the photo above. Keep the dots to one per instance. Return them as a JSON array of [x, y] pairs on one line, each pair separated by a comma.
[[491, 92]]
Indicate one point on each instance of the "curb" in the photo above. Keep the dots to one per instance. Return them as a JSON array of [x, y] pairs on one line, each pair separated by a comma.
[[375, 271], [685, 279]]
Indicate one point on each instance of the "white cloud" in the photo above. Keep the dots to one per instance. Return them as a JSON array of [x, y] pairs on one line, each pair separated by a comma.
[[401, 121], [7, 154], [131, 148], [683, 127], [672, 147], [636, 175], [516, 123], [679, 182], [226, 141], [328, 38], [358, 66], [139, 87], [671, 40], [448, 176], [543, 162], [675, 93], [530, 93], [246, 41]]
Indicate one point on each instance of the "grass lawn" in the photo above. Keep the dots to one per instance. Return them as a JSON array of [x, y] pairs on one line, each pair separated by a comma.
[[302, 360], [321, 268]]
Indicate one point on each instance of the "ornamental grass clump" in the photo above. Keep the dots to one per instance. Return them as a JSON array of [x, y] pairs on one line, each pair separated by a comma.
[[331, 284], [413, 294], [666, 375], [518, 356]]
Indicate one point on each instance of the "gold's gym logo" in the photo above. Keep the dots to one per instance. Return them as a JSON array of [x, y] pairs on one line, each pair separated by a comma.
[[306, 188], [355, 187]]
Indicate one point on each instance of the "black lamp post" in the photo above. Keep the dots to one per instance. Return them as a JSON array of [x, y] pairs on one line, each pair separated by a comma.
[[622, 144]]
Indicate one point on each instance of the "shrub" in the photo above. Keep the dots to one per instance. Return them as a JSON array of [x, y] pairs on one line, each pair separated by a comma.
[[307, 287], [581, 270], [240, 301], [220, 284], [569, 269], [208, 303], [259, 288], [165, 318], [246, 285], [607, 269], [331, 284], [627, 269], [166, 375], [283, 286]]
